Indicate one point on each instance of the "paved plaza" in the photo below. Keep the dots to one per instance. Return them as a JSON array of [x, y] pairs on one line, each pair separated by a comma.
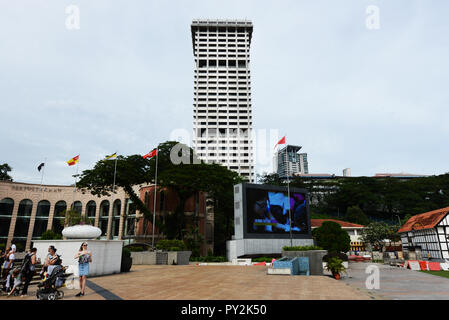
[[192, 282], [399, 284]]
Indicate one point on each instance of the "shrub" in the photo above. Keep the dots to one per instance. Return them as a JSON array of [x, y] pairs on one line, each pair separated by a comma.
[[126, 253], [50, 235], [263, 259], [339, 255], [2, 246], [208, 259], [332, 237], [171, 245], [301, 248], [135, 249]]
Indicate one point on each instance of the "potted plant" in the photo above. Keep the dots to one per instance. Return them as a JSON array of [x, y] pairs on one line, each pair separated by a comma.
[[127, 261], [335, 265]]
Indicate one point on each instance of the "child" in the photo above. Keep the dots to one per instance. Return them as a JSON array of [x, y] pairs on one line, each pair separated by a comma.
[[15, 276]]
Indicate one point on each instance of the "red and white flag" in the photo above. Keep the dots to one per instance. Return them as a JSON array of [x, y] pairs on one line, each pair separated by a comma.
[[282, 141], [150, 154]]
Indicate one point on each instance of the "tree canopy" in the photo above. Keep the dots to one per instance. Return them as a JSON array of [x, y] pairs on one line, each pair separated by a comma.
[[380, 199], [355, 215], [186, 179], [376, 233], [4, 169], [330, 236]]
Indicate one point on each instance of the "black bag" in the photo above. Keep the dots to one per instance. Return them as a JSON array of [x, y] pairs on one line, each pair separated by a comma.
[[58, 261], [26, 265]]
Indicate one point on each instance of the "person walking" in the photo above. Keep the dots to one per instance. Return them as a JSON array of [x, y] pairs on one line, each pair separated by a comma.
[[8, 264], [84, 257], [28, 269]]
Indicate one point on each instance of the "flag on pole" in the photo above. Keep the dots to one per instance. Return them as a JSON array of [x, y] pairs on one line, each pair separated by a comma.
[[282, 141], [73, 161], [40, 166], [112, 156], [150, 154]]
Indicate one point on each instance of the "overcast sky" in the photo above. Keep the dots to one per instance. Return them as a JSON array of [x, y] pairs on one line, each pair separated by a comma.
[[373, 100]]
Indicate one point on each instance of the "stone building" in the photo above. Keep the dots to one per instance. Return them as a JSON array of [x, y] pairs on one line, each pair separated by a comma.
[[27, 210]]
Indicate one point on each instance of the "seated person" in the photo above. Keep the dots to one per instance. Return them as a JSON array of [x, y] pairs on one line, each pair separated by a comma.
[[14, 281], [51, 260]]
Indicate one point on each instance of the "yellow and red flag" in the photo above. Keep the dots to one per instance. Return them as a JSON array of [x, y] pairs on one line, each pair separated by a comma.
[[73, 161], [150, 154]]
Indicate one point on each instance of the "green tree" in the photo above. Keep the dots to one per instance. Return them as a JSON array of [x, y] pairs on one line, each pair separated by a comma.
[[4, 169], [73, 217], [330, 236], [186, 180], [375, 234], [356, 215], [50, 235]]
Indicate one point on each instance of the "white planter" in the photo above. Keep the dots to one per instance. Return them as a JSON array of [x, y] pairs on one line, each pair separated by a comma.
[[81, 232], [106, 254]]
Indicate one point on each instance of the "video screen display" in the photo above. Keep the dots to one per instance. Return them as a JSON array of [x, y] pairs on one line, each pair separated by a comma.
[[268, 212]]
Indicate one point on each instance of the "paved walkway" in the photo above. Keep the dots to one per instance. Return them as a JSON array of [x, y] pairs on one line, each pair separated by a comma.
[[398, 283], [211, 283]]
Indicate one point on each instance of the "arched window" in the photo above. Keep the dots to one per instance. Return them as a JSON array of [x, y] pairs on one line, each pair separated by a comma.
[[58, 216], [41, 222], [25, 208], [23, 219], [77, 206], [91, 209], [104, 216], [6, 208], [116, 218], [130, 221], [43, 209]]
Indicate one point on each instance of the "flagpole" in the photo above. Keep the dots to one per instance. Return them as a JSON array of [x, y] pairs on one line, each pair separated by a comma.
[[74, 190], [41, 190], [288, 192], [155, 187]]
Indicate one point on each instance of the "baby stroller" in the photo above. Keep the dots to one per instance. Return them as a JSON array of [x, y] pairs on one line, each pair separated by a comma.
[[48, 288]]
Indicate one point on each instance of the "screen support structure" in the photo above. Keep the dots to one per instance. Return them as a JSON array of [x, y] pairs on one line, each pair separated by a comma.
[[288, 197]]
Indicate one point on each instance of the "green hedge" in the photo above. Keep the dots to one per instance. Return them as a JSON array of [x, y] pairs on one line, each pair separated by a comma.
[[264, 259], [209, 259], [171, 245], [301, 248], [126, 253]]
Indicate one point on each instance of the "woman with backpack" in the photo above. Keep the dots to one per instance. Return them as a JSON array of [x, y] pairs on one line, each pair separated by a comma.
[[28, 269], [84, 257]]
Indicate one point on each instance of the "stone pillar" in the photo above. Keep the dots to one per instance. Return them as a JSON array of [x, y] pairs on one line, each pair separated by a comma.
[[12, 225], [122, 219], [31, 226], [50, 216], [110, 217]]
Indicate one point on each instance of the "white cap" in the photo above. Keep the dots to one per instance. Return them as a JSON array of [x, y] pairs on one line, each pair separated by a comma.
[[13, 247]]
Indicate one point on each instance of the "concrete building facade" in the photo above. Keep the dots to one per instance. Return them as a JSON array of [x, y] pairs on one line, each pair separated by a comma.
[[222, 118], [288, 161]]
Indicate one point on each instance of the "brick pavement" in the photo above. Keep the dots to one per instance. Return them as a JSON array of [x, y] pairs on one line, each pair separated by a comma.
[[214, 283]]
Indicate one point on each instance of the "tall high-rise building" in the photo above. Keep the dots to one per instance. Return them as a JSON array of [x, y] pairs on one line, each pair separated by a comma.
[[222, 120], [287, 161]]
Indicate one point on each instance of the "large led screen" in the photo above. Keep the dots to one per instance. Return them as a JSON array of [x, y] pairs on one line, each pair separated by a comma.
[[267, 212]]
